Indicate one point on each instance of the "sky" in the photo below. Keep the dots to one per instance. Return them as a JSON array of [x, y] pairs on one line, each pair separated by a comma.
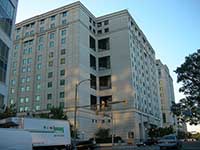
[[171, 26]]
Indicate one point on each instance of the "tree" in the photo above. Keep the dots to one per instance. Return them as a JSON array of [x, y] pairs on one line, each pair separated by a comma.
[[9, 112], [189, 75], [55, 113], [160, 132], [102, 133]]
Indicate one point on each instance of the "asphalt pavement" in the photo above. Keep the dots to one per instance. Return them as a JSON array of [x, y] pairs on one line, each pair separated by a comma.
[[193, 145]]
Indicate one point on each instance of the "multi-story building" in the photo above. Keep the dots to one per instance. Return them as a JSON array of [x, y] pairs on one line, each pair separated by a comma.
[[54, 51], [166, 95], [7, 21]]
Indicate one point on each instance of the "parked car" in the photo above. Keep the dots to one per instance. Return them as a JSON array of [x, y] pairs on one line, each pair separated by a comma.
[[169, 141], [87, 144], [140, 143], [150, 142]]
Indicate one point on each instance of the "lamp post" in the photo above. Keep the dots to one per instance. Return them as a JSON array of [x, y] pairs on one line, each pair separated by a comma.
[[75, 107]]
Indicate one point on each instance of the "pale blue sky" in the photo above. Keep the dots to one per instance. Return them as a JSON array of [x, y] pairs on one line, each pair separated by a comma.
[[171, 26]]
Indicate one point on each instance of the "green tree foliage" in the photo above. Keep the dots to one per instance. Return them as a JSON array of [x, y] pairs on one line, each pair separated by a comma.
[[102, 133], [196, 136], [9, 112], [160, 132], [55, 113], [188, 109]]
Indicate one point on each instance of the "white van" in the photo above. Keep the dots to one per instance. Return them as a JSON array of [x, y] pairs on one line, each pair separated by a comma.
[[15, 139]]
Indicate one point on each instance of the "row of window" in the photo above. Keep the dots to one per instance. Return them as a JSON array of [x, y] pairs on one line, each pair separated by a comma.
[[99, 24], [42, 21]]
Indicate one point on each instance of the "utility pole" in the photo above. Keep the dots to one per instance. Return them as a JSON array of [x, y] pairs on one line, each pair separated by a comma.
[[75, 108]]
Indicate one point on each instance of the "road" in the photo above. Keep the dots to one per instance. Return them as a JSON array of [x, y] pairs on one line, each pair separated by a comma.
[[186, 146]]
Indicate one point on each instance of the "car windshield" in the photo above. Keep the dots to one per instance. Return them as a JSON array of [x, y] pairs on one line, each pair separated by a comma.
[[169, 137]]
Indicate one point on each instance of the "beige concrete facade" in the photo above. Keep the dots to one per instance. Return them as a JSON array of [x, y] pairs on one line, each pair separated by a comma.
[[110, 50], [166, 95]]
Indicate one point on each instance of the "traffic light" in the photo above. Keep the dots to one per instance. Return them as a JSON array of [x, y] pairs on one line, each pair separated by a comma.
[[103, 104]]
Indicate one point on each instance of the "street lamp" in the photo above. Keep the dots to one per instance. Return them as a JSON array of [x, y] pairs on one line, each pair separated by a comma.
[[75, 106]]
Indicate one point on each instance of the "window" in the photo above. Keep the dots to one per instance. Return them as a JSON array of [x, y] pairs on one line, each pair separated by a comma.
[[50, 74], [26, 108], [12, 90], [49, 96], [37, 97], [24, 61], [21, 100], [63, 32], [37, 107], [105, 82], [62, 94], [42, 29], [62, 61], [104, 44], [41, 39], [49, 85], [39, 57], [42, 21], [11, 100], [106, 22], [27, 88], [63, 40], [64, 14], [23, 69], [38, 77], [64, 22], [32, 32], [62, 72], [39, 66], [28, 69], [26, 99], [92, 62], [99, 24], [51, 35], [50, 64], [22, 89], [51, 44], [13, 82], [52, 25], [62, 51], [38, 86], [92, 43], [104, 63], [40, 47], [51, 55], [93, 102], [23, 80], [62, 82], [93, 83], [53, 18], [106, 30], [21, 109], [28, 79], [62, 105], [29, 60], [99, 31]]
